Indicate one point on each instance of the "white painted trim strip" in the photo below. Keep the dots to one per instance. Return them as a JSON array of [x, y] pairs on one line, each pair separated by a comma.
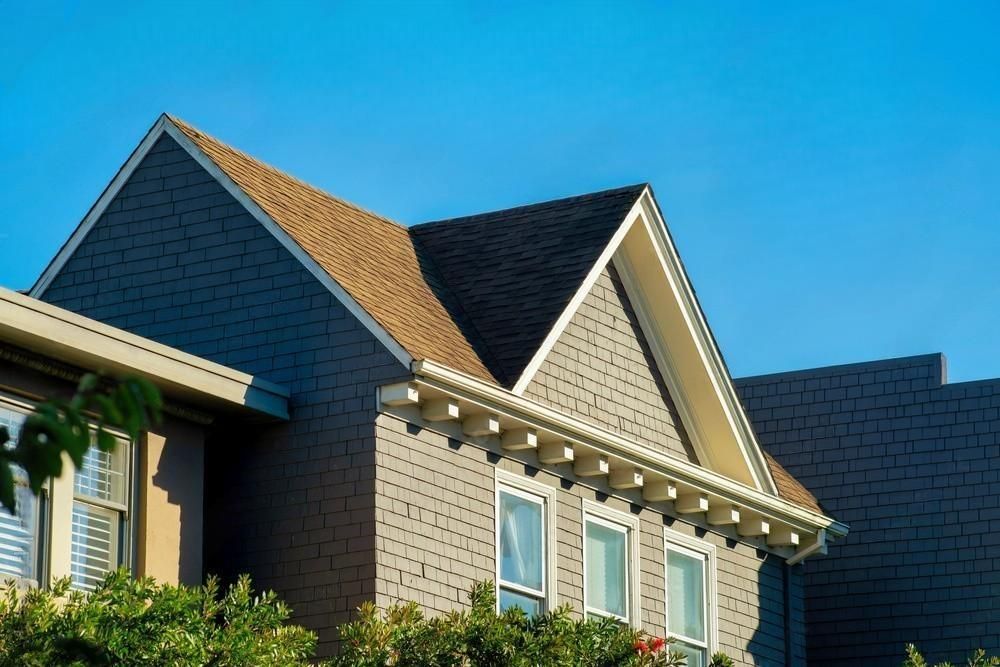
[[505, 403], [657, 228], [581, 293]]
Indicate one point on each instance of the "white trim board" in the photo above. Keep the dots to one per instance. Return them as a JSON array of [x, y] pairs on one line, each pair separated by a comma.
[[163, 126]]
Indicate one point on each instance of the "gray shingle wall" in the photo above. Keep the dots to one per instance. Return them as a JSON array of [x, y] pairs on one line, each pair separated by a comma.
[[435, 538], [913, 466], [601, 369], [177, 259]]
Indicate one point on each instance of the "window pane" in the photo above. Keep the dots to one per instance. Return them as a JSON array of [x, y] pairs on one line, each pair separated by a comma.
[[18, 541], [606, 569], [103, 474], [685, 595], [695, 656], [521, 541], [17, 536], [95, 544], [508, 599]]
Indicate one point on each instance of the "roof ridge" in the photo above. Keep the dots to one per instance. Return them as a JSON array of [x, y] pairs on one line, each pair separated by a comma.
[[535, 205], [184, 125]]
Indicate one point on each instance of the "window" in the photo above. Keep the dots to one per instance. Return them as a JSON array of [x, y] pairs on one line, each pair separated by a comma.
[[690, 577], [77, 527], [99, 495], [610, 563], [525, 515], [19, 532]]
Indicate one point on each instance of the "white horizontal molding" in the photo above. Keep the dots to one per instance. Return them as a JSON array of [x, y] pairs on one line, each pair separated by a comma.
[[554, 425]]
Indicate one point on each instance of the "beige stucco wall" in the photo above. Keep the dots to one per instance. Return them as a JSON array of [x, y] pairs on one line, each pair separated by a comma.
[[171, 496], [435, 538]]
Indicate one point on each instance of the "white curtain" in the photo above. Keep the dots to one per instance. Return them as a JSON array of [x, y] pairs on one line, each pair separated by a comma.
[[685, 595], [606, 558], [520, 541]]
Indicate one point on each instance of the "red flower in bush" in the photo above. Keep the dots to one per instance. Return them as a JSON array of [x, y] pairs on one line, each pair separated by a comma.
[[657, 644], [640, 647]]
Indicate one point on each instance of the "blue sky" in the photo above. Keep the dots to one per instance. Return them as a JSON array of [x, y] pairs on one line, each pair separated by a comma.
[[830, 172]]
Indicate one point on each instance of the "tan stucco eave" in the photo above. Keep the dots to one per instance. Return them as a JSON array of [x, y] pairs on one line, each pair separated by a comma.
[[46, 329]]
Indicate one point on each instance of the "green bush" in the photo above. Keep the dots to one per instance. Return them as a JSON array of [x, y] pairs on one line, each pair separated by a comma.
[[977, 659], [403, 637], [128, 621]]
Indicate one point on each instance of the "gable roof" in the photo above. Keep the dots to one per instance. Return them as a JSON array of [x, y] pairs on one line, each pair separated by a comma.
[[514, 271], [371, 257], [465, 292]]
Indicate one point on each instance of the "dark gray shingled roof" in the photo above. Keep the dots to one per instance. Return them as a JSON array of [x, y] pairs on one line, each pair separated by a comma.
[[513, 272]]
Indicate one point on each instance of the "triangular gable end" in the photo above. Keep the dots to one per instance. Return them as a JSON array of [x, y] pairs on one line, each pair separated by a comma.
[[165, 125], [602, 370], [691, 365]]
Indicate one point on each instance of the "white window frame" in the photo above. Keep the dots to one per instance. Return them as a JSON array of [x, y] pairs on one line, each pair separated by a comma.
[[545, 495], [630, 525], [55, 512], [705, 551]]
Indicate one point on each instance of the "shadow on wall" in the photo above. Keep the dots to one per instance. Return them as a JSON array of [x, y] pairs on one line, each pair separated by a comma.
[[173, 498]]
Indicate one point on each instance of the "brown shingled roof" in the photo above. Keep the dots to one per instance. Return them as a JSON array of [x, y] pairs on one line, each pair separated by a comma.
[[790, 488], [484, 315], [371, 257]]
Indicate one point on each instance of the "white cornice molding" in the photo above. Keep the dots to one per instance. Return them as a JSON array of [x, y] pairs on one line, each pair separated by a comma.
[[490, 397]]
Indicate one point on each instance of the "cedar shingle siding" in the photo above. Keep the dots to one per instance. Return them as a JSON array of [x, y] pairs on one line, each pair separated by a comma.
[[434, 501], [913, 466], [601, 369], [176, 259]]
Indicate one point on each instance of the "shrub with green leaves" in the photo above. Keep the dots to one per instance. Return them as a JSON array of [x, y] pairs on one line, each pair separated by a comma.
[[403, 637], [977, 659], [128, 621]]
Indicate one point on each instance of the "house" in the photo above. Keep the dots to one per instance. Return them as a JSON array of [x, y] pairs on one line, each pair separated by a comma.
[[912, 462], [530, 396]]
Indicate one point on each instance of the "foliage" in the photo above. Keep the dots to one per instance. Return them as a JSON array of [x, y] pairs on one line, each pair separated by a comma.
[[721, 660], [56, 426], [128, 622], [977, 659], [479, 637]]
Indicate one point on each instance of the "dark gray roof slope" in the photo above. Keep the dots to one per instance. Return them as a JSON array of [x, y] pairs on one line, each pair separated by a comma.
[[513, 272]]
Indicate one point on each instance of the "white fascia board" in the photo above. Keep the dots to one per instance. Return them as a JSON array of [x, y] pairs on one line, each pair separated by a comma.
[[581, 293], [65, 336], [711, 357], [165, 126], [488, 396]]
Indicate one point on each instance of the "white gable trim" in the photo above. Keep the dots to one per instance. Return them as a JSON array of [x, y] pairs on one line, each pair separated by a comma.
[[711, 356], [646, 213], [574, 304], [164, 126]]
